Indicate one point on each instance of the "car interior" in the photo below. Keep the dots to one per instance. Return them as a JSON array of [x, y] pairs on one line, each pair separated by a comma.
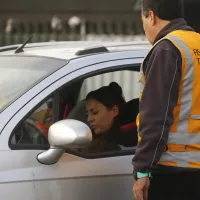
[[34, 129]]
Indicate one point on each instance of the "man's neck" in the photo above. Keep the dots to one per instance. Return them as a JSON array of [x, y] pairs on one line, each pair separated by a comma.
[[161, 24]]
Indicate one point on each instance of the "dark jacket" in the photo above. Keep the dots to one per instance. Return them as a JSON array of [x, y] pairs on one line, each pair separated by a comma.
[[105, 142], [163, 68]]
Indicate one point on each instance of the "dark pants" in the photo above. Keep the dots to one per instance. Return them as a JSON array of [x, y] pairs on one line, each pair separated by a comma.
[[183, 186]]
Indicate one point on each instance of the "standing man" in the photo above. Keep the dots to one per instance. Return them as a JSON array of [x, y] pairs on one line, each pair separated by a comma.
[[167, 159]]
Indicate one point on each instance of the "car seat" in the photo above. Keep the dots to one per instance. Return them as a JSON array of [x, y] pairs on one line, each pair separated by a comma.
[[129, 128]]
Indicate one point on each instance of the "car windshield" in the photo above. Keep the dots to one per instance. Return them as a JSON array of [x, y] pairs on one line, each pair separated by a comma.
[[20, 73]]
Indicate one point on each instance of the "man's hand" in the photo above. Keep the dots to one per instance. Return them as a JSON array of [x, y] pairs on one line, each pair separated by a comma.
[[140, 188]]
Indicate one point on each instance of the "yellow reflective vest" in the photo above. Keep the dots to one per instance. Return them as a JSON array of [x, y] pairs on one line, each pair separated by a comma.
[[183, 148]]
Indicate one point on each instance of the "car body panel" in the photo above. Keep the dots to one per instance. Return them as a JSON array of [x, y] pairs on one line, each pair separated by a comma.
[[68, 50], [72, 177]]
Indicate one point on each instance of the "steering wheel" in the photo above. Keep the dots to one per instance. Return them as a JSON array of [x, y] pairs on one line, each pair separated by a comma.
[[34, 132]]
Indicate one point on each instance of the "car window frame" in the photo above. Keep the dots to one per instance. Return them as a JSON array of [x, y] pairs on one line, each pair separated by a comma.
[[89, 73]]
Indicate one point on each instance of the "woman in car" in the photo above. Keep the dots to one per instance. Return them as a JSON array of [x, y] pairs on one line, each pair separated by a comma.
[[104, 108]]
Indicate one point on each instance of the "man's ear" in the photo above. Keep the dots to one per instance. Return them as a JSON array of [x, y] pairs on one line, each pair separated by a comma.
[[115, 110], [152, 18]]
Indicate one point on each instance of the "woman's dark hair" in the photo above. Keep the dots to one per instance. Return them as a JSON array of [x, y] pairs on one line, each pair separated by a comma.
[[164, 9], [109, 96]]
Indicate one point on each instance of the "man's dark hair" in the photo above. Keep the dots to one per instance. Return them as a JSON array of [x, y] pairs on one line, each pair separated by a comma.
[[164, 9]]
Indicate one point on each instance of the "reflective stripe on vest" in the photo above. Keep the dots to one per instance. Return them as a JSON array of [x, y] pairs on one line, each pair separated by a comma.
[[186, 99], [184, 138], [181, 158]]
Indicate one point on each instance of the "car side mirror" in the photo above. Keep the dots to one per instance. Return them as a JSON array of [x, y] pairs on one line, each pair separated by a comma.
[[68, 133]]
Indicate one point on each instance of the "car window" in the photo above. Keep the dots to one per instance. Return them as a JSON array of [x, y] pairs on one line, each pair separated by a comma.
[[22, 73], [127, 130], [127, 79], [33, 130]]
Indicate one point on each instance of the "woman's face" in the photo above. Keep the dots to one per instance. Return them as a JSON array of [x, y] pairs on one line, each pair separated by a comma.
[[99, 117]]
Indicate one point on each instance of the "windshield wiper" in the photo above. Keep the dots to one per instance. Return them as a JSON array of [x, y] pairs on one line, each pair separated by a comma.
[[20, 49]]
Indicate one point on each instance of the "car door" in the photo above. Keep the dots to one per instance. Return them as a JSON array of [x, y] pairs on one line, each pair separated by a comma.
[[72, 177]]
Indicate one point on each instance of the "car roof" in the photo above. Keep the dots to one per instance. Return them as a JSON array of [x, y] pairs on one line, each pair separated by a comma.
[[73, 49]]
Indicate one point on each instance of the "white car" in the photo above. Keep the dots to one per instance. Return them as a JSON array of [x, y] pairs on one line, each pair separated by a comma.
[[42, 120]]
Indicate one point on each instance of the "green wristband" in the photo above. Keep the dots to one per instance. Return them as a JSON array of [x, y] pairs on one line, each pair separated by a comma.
[[142, 175]]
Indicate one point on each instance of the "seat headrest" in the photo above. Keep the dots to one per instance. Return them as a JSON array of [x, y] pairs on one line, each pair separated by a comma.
[[78, 112], [131, 111]]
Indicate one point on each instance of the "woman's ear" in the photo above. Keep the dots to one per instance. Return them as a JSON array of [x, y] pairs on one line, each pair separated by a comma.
[[115, 110]]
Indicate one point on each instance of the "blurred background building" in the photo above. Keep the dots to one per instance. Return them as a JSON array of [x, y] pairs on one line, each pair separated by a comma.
[[112, 20]]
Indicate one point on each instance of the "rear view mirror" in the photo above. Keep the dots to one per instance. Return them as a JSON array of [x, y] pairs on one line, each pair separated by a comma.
[[64, 134]]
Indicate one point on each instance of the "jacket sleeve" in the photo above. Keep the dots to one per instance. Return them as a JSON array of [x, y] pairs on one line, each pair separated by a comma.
[[158, 100]]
